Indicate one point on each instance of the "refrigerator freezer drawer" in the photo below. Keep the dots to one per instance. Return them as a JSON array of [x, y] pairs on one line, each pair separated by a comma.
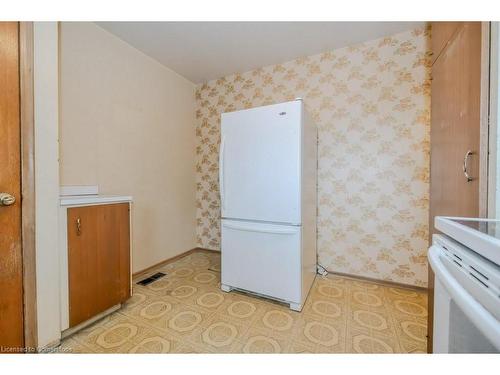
[[262, 258]]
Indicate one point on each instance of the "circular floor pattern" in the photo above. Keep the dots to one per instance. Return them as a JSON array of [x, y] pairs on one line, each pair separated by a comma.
[[416, 331], [367, 344], [321, 333], [369, 286], [370, 319], [330, 291], [160, 284], [410, 308], [184, 291], [185, 321], [262, 344], [155, 310], [241, 309], [368, 299], [200, 262], [152, 345], [204, 277], [210, 300], [220, 334], [135, 300], [403, 292], [327, 309], [277, 320], [183, 272], [116, 335]]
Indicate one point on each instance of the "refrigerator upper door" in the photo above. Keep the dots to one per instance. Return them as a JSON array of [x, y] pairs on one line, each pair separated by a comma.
[[260, 163]]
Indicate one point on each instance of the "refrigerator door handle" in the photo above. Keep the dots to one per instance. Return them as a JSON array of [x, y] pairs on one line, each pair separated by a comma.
[[221, 173], [251, 228]]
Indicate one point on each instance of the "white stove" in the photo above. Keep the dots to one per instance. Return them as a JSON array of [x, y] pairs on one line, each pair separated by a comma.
[[466, 263]]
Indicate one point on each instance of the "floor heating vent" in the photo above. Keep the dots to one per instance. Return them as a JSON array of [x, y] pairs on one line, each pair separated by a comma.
[[152, 278]]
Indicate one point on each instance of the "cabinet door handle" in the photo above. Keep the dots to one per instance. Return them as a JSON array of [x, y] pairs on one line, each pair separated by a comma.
[[466, 159], [78, 226]]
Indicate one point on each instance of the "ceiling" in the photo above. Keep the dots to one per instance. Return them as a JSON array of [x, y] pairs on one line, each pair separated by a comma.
[[201, 51]]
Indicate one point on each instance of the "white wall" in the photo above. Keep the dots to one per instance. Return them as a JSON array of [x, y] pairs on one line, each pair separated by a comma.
[[127, 125], [46, 180]]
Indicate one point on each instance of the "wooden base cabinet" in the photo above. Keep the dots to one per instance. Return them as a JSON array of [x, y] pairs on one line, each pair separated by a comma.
[[99, 275]]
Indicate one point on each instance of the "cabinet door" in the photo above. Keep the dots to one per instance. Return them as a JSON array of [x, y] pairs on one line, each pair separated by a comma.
[[116, 218], [442, 33], [455, 129], [98, 259]]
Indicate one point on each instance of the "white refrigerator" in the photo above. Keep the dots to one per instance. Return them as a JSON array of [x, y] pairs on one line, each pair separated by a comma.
[[267, 177]]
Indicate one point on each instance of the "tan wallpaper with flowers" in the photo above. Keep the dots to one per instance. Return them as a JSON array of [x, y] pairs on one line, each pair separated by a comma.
[[371, 103]]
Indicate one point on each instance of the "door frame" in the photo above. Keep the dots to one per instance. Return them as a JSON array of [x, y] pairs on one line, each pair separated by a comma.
[[485, 129], [28, 239]]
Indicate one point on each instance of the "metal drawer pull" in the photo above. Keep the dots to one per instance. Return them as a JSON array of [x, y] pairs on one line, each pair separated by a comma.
[[466, 172], [78, 226]]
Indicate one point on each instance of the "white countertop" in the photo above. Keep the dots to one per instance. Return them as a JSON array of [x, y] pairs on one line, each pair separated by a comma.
[[81, 200]]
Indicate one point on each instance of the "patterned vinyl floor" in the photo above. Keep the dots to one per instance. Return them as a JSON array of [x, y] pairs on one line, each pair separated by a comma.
[[186, 312]]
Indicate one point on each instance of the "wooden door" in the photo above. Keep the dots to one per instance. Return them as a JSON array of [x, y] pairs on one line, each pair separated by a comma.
[[98, 259], [455, 127], [442, 34], [11, 279]]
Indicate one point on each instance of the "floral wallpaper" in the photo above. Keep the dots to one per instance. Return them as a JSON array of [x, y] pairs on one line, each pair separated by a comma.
[[371, 103]]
